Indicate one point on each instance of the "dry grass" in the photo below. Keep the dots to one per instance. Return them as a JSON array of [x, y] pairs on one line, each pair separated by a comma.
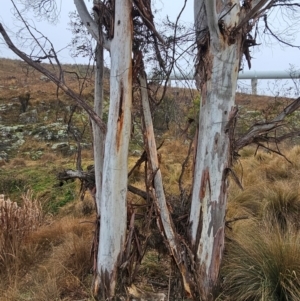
[[262, 263], [52, 261], [262, 258], [55, 261], [17, 222]]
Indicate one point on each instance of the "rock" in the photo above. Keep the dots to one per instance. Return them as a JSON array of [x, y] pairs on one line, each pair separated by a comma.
[[44, 78], [29, 117], [3, 156], [64, 148], [18, 143], [59, 145], [36, 155], [51, 132], [136, 153]]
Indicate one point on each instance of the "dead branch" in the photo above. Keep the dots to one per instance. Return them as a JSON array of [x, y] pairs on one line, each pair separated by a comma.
[[256, 10], [278, 152], [88, 180], [276, 36], [259, 130], [141, 160], [144, 9], [183, 167], [165, 221]]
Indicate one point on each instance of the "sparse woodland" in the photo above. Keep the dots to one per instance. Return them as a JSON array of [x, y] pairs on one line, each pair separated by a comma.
[[139, 191]]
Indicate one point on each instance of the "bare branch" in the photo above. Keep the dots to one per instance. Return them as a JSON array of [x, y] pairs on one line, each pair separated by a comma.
[[144, 8], [43, 9], [278, 152], [88, 180], [158, 191], [257, 9], [276, 36], [31, 33], [54, 79], [227, 223], [90, 24], [256, 131], [286, 5]]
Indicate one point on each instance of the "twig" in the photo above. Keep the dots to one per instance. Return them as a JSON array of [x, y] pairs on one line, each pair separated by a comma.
[[234, 220]]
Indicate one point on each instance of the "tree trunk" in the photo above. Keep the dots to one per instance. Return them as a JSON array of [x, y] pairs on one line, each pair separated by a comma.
[[98, 135], [175, 246], [217, 73], [114, 183], [98, 142]]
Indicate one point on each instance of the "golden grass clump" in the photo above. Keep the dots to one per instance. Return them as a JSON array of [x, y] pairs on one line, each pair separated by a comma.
[[16, 224], [18, 221], [53, 263], [66, 273], [262, 253], [262, 263]]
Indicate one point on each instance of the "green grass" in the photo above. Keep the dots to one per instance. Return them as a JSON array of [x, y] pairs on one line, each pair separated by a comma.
[[42, 181]]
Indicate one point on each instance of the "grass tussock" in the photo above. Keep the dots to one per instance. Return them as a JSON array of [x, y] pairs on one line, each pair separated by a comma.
[[16, 224], [262, 265], [262, 254], [54, 263]]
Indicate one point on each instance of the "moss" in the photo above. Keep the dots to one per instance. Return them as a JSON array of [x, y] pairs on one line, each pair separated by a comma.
[[42, 180]]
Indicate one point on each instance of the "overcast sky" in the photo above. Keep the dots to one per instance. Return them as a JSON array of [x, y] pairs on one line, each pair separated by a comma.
[[265, 57]]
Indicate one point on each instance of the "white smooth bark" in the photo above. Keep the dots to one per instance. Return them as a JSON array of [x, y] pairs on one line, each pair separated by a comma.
[[98, 135], [212, 21], [218, 86], [114, 184], [160, 197]]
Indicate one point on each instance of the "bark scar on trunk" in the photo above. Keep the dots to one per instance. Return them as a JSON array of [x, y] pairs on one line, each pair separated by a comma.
[[120, 116], [217, 254], [205, 179]]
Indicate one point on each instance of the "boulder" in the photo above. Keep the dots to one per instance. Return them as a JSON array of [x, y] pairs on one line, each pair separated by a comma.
[[29, 117]]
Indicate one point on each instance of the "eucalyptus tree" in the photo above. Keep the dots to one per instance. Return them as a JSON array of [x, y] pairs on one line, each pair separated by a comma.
[[224, 33], [225, 30]]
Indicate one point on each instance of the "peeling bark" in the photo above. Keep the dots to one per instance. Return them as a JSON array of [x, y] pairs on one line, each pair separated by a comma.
[[217, 72], [166, 222]]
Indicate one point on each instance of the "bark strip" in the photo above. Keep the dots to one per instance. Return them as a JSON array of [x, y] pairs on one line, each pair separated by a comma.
[[160, 199]]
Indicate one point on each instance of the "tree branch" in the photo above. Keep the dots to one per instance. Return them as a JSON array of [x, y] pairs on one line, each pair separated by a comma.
[[276, 37], [90, 24], [88, 178], [158, 192], [54, 79], [212, 21], [257, 130], [250, 15]]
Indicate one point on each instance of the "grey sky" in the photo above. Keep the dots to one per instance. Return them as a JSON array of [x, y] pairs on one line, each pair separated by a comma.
[[270, 57]]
